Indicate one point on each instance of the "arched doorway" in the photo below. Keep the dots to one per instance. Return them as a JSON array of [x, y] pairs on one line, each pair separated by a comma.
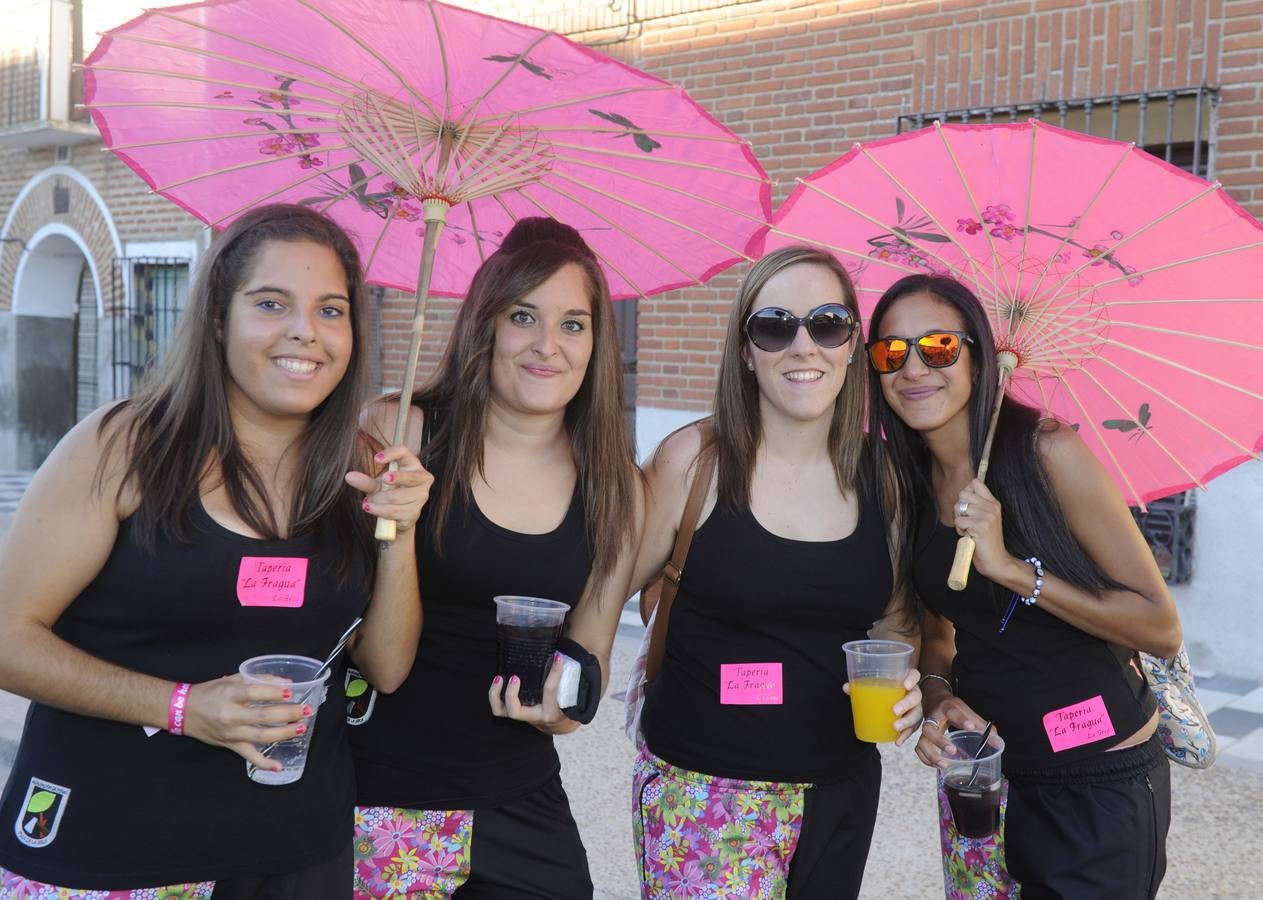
[[55, 280]]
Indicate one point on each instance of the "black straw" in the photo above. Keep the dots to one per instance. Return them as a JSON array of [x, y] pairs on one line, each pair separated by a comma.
[[982, 748]]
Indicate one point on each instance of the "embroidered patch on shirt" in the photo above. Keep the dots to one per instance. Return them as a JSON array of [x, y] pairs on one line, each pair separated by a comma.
[[1078, 724], [360, 697], [41, 812], [272, 581], [750, 684]]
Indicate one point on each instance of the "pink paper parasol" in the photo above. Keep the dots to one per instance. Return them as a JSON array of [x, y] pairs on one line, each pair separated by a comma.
[[1129, 293], [402, 118]]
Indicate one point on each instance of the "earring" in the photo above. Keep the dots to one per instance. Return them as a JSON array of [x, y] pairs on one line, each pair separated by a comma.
[[850, 357], [750, 364]]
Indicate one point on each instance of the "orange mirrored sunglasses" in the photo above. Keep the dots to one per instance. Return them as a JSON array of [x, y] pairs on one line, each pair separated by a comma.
[[937, 349]]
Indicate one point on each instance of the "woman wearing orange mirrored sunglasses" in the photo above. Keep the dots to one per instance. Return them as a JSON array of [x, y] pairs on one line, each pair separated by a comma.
[[1042, 640]]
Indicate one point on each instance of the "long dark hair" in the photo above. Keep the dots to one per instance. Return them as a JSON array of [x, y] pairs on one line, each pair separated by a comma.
[[459, 391], [738, 425], [178, 422], [1034, 524]]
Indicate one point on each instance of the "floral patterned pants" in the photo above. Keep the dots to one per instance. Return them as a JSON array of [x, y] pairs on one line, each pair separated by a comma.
[[703, 836], [15, 887], [411, 854], [974, 867]]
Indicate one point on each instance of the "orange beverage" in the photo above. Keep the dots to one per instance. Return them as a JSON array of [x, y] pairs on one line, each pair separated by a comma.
[[872, 706]]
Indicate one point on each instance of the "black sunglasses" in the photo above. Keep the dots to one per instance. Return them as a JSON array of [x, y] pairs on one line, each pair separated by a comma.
[[937, 349], [772, 328]]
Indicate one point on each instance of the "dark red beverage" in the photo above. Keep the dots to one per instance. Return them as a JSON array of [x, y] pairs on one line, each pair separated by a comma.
[[975, 807], [527, 652]]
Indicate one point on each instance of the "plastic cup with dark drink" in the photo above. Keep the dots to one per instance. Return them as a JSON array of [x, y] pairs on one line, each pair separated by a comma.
[[527, 629], [973, 780]]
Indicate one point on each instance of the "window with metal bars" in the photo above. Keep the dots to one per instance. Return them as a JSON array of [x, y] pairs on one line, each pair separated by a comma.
[[1175, 125], [156, 290]]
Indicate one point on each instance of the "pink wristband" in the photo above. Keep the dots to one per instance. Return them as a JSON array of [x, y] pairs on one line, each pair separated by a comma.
[[175, 714]]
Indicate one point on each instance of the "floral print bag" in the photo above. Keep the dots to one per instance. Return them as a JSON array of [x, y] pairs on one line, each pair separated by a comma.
[[1183, 725]]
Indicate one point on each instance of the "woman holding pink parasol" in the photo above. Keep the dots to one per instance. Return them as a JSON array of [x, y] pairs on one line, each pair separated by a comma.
[[162, 509], [536, 495], [1065, 591], [770, 795]]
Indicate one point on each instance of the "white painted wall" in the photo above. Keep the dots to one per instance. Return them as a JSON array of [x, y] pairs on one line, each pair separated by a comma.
[[652, 425], [1222, 606], [8, 395], [47, 279]]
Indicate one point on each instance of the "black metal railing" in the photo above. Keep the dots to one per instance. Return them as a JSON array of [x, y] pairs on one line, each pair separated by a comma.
[[153, 290], [1168, 527], [1176, 125]]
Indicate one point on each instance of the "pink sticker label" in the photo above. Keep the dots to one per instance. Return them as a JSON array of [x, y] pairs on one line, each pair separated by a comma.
[[1078, 724], [272, 581], [750, 684]]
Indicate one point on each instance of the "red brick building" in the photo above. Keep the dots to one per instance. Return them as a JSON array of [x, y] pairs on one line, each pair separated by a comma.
[[801, 79]]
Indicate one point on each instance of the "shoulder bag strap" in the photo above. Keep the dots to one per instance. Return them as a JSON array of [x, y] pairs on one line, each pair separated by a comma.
[[673, 571]]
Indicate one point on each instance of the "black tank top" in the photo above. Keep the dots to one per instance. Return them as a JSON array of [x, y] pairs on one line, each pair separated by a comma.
[[752, 600], [1039, 666], [129, 811], [433, 743]]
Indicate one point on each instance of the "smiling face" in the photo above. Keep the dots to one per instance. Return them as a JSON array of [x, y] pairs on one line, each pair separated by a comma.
[[543, 343], [801, 382], [288, 335], [927, 399]]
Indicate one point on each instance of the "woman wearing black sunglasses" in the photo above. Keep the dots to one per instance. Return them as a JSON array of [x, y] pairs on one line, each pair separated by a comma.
[[1042, 639], [752, 776]]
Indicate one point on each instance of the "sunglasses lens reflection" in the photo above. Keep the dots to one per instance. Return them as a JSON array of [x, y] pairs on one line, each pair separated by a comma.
[[830, 328], [771, 332], [888, 355], [939, 350]]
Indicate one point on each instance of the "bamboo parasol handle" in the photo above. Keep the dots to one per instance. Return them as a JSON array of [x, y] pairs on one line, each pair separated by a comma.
[[959, 575], [435, 219]]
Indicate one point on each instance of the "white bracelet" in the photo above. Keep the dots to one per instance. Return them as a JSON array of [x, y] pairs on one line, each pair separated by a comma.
[[1039, 581]]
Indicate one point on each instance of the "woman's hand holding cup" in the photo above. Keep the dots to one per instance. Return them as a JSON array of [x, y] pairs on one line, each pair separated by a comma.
[[950, 713]]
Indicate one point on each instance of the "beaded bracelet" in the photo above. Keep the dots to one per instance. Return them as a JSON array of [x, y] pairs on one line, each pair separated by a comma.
[[1039, 581]]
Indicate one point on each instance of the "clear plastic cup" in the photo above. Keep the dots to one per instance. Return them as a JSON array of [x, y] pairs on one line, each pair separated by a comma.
[[973, 785], [527, 629], [299, 674], [875, 671]]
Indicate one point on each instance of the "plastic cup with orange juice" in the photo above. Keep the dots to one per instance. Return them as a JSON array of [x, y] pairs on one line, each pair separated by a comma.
[[875, 671]]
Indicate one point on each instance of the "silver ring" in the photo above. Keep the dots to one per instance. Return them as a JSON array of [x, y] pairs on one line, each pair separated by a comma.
[[962, 507], [928, 721]]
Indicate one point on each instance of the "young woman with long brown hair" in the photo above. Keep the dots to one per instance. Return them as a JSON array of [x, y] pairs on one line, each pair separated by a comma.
[[536, 494], [769, 794], [127, 593], [1062, 594]]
